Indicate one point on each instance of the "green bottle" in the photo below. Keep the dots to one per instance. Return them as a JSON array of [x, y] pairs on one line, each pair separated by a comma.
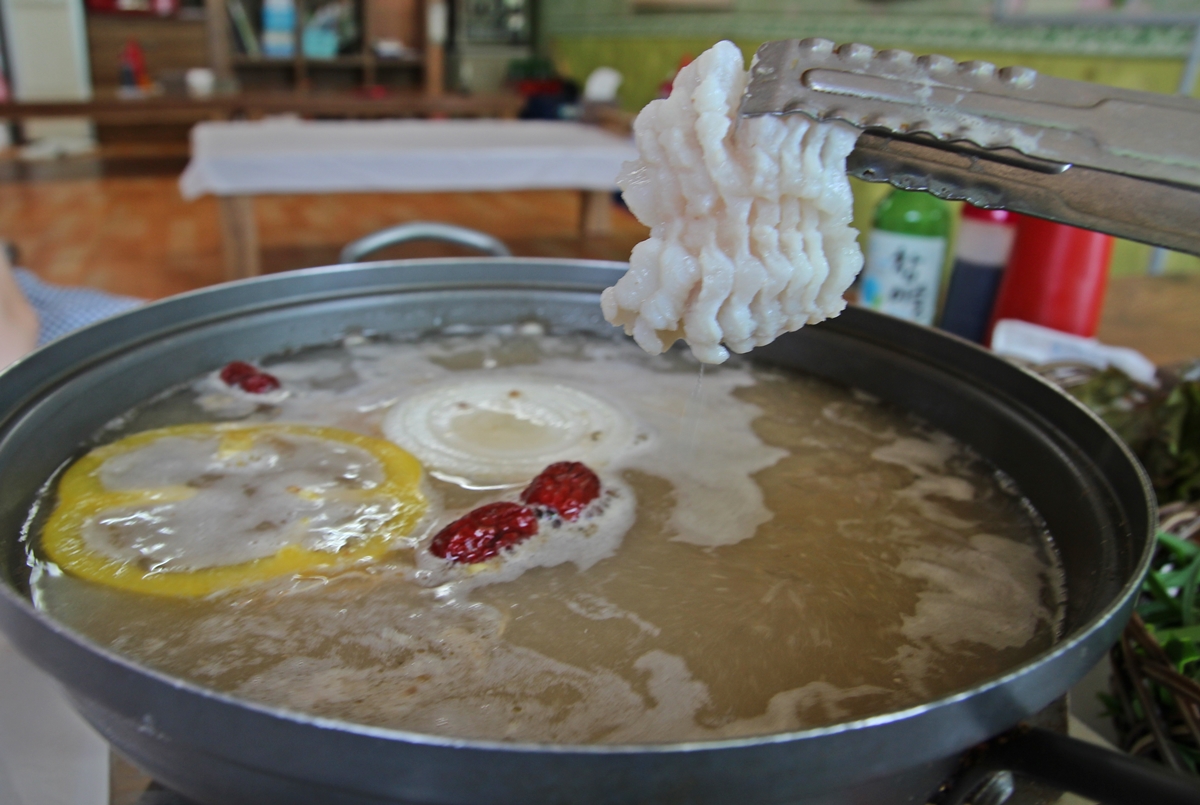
[[905, 253]]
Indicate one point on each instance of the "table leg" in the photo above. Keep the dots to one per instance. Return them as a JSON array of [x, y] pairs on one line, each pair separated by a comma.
[[239, 232], [596, 213]]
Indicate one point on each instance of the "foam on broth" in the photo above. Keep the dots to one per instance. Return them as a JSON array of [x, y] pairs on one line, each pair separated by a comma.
[[799, 555]]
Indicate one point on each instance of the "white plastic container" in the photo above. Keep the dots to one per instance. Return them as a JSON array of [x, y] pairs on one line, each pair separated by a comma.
[[279, 28]]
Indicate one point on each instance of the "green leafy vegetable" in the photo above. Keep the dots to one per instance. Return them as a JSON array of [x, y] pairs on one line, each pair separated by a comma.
[[1160, 652], [1161, 425]]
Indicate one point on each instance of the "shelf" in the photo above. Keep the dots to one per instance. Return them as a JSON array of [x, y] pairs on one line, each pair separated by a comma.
[[348, 61], [403, 61], [252, 105], [382, 20], [242, 60], [186, 14]]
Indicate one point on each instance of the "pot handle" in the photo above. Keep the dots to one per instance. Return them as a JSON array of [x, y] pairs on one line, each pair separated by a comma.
[[1070, 764], [423, 230]]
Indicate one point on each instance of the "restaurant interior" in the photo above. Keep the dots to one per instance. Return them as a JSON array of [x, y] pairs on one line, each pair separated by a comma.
[[156, 149]]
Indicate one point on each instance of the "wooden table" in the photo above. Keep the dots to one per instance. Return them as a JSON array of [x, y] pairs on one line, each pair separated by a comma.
[[238, 161]]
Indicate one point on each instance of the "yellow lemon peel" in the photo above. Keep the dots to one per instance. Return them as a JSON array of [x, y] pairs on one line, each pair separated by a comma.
[[82, 496]]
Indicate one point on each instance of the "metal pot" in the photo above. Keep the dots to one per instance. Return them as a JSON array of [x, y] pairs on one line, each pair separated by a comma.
[[218, 749]]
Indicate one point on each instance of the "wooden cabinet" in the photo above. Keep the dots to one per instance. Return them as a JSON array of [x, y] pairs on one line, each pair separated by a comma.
[[397, 20]]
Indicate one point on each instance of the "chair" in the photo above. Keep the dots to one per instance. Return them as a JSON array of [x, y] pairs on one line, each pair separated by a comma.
[[356, 251]]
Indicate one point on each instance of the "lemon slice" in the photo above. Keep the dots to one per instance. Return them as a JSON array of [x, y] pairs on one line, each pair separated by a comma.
[[195, 509]]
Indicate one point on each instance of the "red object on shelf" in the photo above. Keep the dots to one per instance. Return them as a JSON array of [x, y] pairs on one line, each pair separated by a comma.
[[133, 72], [136, 8], [374, 92], [528, 87], [1056, 277]]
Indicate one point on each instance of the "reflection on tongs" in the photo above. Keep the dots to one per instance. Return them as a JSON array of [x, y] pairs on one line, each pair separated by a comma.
[[1114, 160]]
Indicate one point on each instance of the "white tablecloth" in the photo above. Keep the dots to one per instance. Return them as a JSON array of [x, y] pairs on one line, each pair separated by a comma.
[[293, 156]]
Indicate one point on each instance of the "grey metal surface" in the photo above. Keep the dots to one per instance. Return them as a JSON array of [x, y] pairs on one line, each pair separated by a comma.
[[1113, 160], [1144, 134], [218, 750], [423, 230], [1158, 213]]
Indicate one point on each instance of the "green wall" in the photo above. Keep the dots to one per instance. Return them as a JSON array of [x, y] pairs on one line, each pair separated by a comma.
[[646, 48], [925, 25], [646, 62]]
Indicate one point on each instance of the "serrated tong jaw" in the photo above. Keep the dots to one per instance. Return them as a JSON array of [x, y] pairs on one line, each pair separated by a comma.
[[1113, 160]]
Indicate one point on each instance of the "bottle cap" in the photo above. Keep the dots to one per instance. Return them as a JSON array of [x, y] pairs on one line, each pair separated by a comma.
[[991, 216]]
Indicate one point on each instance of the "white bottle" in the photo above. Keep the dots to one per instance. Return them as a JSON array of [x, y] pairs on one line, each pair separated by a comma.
[[905, 254], [902, 274]]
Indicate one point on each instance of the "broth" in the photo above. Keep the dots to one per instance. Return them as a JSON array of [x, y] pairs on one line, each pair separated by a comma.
[[800, 555]]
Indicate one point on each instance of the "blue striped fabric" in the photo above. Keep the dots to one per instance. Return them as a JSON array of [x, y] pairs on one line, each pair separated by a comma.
[[61, 309]]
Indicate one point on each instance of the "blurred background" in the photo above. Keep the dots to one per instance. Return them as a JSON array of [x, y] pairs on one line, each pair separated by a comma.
[[153, 147], [101, 95]]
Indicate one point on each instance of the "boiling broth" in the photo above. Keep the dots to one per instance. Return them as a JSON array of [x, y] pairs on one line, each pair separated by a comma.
[[801, 555]]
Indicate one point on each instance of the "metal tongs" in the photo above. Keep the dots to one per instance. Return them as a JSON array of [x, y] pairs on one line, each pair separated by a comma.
[[1113, 160]]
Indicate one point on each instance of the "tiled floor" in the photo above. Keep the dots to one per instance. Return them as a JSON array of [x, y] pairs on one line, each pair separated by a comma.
[[121, 225], [136, 235]]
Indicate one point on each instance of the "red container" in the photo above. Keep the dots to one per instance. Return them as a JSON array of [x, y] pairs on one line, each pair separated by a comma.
[[1056, 277]]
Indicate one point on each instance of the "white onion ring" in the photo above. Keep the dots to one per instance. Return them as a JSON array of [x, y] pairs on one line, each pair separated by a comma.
[[491, 433]]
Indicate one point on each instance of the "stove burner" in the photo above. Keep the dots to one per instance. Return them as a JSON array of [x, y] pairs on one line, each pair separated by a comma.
[[129, 786], [1023, 793]]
